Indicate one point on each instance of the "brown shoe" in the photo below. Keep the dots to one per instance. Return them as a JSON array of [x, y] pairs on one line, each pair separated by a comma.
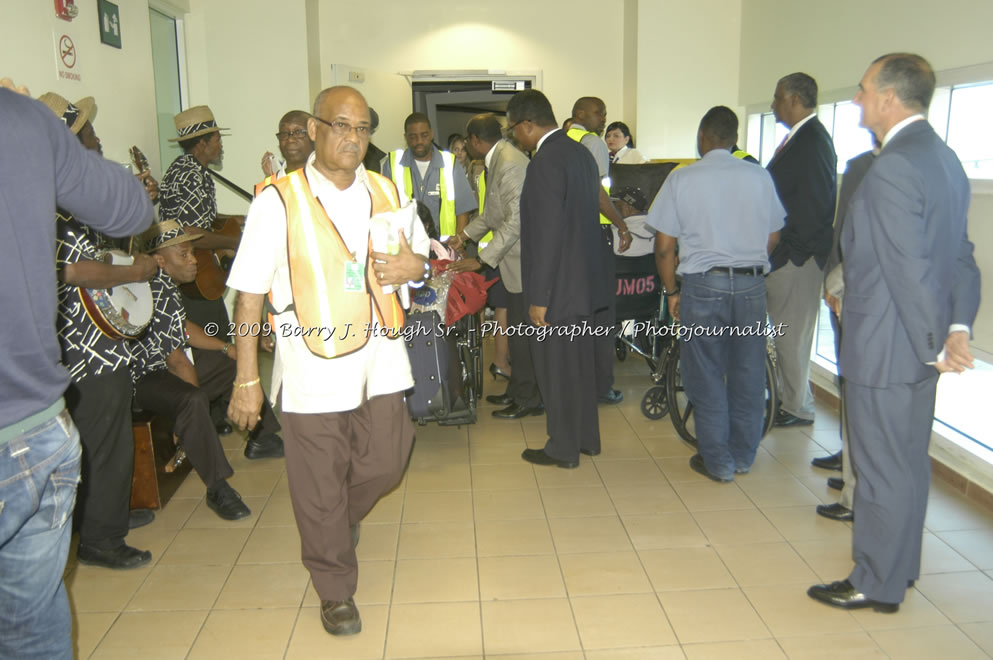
[[340, 617]]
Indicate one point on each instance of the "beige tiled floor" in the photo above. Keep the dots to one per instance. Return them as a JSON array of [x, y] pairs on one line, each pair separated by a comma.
[[478, 554]]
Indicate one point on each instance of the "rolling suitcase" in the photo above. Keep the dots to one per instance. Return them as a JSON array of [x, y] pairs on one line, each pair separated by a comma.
[[439, 392]]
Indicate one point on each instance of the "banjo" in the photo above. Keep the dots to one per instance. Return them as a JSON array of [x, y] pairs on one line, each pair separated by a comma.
[[120, 312]]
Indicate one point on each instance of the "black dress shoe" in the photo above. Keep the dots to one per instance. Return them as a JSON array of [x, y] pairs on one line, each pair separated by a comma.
[[121, 557], [590, 452], [223, 428], [836, 512], [500, 399], [696, 462], [514, 411], [613, 396], [140, 517], [226, 502], [843, 594], [539, 457], [832, 462], [836, 483], [786, 419], [266, 446], [340, 617]]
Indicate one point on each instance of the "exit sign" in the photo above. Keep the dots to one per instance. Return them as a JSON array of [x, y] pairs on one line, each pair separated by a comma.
[[110, 23]]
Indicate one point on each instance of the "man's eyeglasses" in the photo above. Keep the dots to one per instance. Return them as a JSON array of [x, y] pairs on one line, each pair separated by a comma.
[[509, 131], [342, 128], [298, 134]]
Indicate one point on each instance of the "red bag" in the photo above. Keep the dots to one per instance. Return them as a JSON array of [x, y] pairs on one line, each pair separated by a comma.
[[466, 295]]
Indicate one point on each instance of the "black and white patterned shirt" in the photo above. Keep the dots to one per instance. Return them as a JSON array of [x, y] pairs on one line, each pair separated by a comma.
[[165, 333], [86, 351], [187, 194]]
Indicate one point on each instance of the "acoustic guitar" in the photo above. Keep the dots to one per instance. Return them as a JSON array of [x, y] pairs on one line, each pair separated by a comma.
[[213, 266]]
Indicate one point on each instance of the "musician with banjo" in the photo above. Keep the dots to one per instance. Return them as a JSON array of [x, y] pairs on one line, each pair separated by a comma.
[[103, 299]]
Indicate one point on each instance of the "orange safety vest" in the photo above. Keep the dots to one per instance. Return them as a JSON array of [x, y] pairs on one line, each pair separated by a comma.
[[317, 258], [260, 186]]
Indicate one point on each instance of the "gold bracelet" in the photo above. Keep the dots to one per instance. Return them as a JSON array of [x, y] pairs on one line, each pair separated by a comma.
[[249, 383]]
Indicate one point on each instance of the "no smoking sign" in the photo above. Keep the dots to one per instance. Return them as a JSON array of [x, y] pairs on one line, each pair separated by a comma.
[[66, 57]]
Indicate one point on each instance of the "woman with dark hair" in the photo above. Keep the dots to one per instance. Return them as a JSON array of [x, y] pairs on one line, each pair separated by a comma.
[[621, 145]]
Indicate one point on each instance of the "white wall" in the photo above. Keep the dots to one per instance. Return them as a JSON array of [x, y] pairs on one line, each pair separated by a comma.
[[247, 60], [118, 79], [835, 42], [687, 63], [568, 42]]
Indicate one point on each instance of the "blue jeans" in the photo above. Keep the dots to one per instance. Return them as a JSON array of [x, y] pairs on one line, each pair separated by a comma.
[[723, 366], [39, 472]]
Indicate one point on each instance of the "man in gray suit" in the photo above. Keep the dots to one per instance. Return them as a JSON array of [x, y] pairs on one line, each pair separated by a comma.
[[505, 170], [911, 284]]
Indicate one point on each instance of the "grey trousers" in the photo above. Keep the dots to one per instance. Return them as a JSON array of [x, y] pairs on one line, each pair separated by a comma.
[[890, 433], [793, 298], [847, 474]]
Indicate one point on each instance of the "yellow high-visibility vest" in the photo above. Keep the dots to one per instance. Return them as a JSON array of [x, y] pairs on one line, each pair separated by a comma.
[[577, 135], [446, 177], [317, 256], [481, 187]]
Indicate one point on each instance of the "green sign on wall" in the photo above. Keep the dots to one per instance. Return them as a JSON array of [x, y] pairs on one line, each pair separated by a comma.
[[110, 23]]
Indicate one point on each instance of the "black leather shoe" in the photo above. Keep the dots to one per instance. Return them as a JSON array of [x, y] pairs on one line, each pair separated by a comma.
[[836, 483], [340, 617], [843, 594], [500, 399], [497, 371], [514, 411], [613, 396], [267, 446], [226, 502], [590, 452], [696, 462], [836, 512], [140, 517], [832, 462], [785, 419], [539, 457], [121, 557], [223, 428]]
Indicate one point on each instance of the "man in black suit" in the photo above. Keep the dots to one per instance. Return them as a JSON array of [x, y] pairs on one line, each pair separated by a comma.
[[804, 170], [911, 297], [564, 271], [834, 289]]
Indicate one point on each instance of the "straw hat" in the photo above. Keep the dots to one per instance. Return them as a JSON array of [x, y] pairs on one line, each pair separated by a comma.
[[194, 122], [75, 115], [164, 234]]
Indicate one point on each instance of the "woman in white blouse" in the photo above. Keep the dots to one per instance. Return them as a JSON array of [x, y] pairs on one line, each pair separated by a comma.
[[621, 145]]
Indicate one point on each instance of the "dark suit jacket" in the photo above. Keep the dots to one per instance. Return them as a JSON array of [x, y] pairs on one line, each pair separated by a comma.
[[805, 172], [909, 267], [854, 173], [563, 254]]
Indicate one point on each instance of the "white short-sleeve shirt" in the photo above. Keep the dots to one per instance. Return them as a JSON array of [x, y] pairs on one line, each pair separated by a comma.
[[312, 384]]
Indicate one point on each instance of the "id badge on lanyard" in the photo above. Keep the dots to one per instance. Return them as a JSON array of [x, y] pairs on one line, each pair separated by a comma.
[[354, 277]]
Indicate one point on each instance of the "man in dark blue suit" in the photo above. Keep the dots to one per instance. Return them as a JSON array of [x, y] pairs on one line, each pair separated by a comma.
[[565, 281], [911, 296], [804, 170]]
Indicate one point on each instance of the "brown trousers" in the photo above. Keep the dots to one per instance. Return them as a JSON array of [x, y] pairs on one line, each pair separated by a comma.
[[338, 466]]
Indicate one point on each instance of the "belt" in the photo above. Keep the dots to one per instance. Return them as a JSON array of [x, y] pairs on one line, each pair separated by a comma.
[[757, 271]]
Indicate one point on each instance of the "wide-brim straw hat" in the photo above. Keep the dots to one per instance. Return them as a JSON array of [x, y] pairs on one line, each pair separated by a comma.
[[75, 115], [194, 122], [165, 233]]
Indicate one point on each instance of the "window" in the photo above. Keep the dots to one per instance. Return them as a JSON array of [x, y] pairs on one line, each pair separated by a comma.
[[968, 130]]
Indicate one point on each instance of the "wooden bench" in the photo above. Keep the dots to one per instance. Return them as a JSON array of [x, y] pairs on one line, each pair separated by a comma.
[[151, 485]]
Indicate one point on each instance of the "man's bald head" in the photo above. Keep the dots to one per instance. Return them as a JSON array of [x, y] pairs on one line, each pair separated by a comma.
[[295, 117], [591, 113], [340, 129]]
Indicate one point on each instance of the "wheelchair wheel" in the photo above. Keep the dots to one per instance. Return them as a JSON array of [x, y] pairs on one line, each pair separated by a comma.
[[655, 404], [620, 350], [682, 408]]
